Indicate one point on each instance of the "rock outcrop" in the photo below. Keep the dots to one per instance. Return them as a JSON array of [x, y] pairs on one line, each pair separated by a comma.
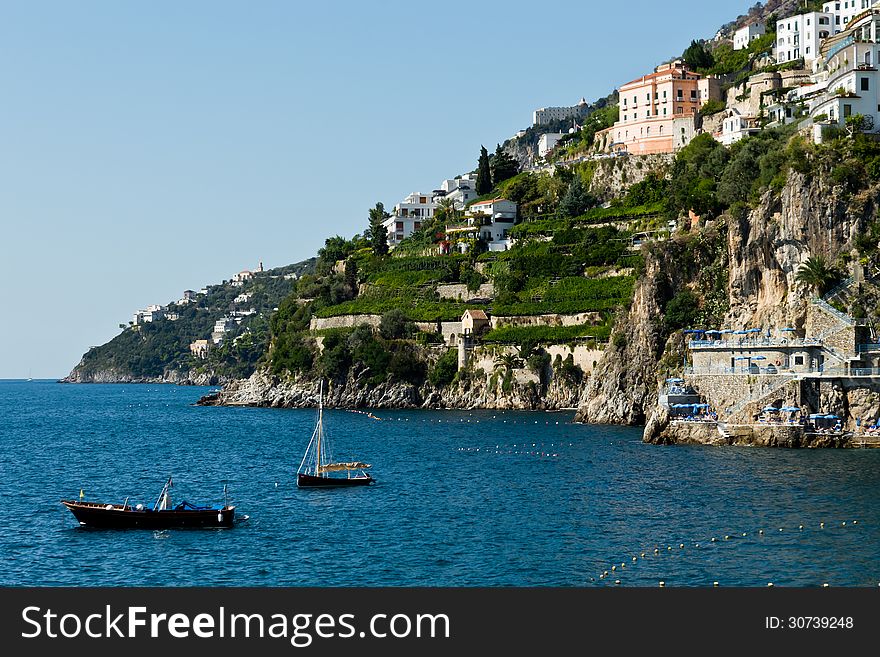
[[356, 391]]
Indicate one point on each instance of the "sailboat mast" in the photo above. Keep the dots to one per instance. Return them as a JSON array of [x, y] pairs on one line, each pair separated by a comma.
[[320, 424]]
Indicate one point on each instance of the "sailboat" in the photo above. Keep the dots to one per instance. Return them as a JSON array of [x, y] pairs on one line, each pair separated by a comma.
[[318, 470]]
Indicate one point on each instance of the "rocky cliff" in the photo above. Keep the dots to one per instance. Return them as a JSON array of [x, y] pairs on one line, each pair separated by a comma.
[[177, 377], [762, 250], [356, 391]]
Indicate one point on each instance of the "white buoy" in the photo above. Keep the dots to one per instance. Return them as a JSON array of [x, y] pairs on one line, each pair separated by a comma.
[[662, 583], [843, 524], [761, 531], [656, 551], [613, 568], [821, 525], [780, 529], [635, 559], [643, 555], [825, 585], [855, 522], [605, 574], [680, 545], [617, 581], [769, 584], [696, 545], [713, 539], [714, 583], [668, 547], [800, 526], [727, 537]]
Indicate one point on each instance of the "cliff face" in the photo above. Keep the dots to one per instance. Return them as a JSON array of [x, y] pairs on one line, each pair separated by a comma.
[[264, 389], [178, 377], [763, 250]]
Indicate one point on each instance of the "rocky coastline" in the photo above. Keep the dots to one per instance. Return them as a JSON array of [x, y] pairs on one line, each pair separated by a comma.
[[263, 389]]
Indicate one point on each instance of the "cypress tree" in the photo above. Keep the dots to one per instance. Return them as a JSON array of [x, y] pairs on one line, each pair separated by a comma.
[[484, 174]]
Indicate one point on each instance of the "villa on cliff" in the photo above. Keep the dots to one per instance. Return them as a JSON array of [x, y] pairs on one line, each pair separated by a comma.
[[650, 107]]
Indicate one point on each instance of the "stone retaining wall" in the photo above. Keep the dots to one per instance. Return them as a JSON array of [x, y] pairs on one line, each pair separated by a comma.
[[545, 320]]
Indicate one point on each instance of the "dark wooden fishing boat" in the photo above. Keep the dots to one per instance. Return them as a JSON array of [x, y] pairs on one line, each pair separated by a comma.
[[318, 470], [161, 516]]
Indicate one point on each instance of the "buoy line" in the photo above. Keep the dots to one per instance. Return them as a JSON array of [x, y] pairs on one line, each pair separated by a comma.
[[727, 537]]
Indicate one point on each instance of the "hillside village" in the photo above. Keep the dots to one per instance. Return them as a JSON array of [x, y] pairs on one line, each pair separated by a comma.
[[712, 197]]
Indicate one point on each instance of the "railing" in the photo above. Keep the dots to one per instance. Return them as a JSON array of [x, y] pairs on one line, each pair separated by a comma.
[[757, 342], [863, 348], [838, 289], [844, 372], [831, 310]]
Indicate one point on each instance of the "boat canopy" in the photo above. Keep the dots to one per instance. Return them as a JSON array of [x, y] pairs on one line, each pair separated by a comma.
[[342, 467]]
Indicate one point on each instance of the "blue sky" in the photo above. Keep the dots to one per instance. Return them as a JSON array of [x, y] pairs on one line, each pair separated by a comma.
[[147, 148]]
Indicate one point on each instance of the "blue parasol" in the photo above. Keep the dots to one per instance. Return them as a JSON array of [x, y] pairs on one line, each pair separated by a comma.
[[759, 358]]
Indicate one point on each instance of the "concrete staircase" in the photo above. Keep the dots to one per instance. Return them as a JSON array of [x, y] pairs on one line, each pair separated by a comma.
[[763, 395]]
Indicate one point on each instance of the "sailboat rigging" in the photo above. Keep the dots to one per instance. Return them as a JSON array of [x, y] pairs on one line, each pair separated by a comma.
[[317, 467]]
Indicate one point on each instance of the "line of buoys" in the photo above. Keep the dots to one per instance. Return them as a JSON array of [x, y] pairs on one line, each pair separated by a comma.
[[714, 539]]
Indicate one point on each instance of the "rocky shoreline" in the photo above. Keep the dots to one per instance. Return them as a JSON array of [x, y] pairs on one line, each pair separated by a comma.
[[173, 377], [263, 389]]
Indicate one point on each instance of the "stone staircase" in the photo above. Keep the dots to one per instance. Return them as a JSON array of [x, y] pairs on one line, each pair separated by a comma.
[[762, 395]]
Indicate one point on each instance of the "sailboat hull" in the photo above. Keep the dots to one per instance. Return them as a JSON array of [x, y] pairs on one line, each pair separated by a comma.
[[312, 481]]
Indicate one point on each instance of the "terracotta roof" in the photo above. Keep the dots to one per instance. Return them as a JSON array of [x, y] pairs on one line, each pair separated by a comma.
[[657, 74], [494, 200], [477, 314]]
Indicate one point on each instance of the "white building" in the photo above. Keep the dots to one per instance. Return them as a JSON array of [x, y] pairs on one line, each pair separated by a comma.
[[546, 115], [493, 221], [847, 82], [221, 328], [845, 10], [745, 35], [244, 297], [799, 37], [735, 126], [461, 190], [408, 216], [151, 313], [547, 142]]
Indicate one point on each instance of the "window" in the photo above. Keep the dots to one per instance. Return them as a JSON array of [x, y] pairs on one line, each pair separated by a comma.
[[798, 360], [661, 129], [417, 225], [847, 111], [865, 82], [398, 226], [693, 94]]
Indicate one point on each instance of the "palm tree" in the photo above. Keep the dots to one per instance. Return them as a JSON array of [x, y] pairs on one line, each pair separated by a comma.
[[816, 273], [507, 362]]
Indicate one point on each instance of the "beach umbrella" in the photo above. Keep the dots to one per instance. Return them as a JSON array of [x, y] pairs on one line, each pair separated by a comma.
[[831, 417], [759, 358], [787, 329], [740, 332], [741, 358], [791, 409], [754, 330], [771, 409], [727, 331], [674, 380]]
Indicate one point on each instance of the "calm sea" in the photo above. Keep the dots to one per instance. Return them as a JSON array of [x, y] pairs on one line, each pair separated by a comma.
[[463, 499]]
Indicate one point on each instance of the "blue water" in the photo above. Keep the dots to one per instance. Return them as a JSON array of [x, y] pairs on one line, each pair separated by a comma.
[[463, 499]]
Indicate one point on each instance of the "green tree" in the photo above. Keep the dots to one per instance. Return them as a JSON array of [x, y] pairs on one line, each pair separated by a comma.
[[351, 274], [484, 173], [378, 234], [504, 167], [577, 199], [681, 311], [443, 372], [817, 274], [698, 57], [394, 324], [508, 363]]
